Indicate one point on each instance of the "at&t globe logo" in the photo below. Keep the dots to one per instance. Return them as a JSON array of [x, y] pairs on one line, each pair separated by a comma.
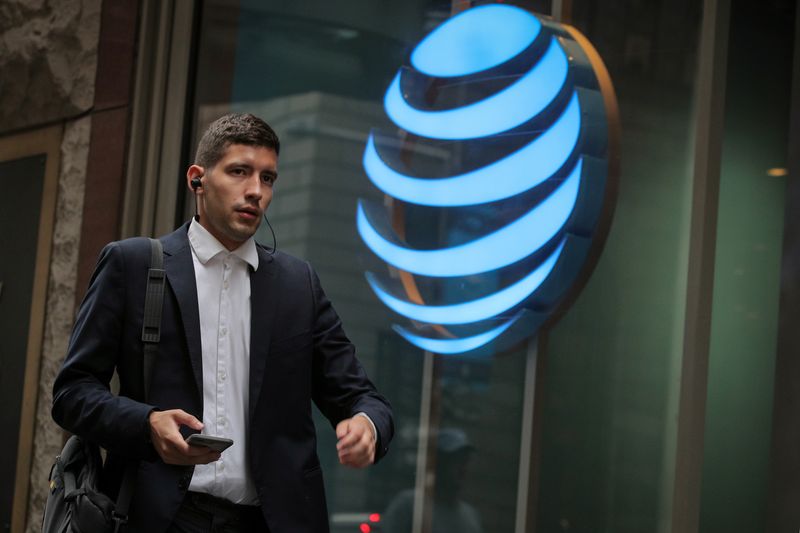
[[499, 179]]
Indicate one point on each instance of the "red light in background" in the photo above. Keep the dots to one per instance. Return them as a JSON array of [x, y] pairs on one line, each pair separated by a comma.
[[375, 517], [365, 528]]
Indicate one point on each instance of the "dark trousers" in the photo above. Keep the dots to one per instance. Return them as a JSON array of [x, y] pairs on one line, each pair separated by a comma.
[[202, 513]]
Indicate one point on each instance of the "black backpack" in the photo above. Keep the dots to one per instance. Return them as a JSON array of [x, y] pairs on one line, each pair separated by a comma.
[[75, 503]]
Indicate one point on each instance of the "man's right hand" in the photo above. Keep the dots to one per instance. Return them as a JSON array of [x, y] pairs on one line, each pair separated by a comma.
[[169, 443]]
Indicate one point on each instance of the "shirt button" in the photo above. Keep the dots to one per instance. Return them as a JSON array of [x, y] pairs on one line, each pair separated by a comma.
[[222, 376], [225, 285], [223, 331], [221, 421]]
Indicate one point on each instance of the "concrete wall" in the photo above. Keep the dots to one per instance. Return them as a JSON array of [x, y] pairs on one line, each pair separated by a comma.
[[48, 57]]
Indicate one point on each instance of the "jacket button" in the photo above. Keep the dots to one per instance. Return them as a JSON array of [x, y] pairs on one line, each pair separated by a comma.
[[183, 484]]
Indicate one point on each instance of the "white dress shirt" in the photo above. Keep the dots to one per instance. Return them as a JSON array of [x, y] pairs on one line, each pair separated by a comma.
[[223, 297]]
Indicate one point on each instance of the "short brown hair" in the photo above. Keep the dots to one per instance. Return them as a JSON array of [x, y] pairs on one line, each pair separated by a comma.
[[234, 128]]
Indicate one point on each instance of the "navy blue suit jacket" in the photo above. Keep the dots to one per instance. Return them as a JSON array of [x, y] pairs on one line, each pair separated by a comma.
[[298, 353]]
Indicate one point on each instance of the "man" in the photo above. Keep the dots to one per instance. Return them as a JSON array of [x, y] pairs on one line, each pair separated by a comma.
[[248, 340]]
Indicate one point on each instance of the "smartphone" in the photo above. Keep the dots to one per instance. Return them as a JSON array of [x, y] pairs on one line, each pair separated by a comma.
[[215, 443]]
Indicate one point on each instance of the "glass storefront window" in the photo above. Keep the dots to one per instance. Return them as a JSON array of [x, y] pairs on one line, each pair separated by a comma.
[[608, 373], [613, 361], [747, 277]]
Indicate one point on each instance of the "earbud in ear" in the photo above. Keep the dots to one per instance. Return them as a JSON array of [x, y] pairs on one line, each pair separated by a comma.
[[196, 183]]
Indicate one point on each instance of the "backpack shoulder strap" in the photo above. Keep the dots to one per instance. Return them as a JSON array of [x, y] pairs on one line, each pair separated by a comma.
[[151, 335], [153, 306]]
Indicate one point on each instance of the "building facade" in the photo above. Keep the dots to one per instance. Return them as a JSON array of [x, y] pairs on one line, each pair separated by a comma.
[[664, 398]]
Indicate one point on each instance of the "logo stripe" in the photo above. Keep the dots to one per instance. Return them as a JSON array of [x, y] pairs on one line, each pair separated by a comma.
[[514, 105], [452, 346], [475, 40], [507, 177], [507, 245], [474, 310]]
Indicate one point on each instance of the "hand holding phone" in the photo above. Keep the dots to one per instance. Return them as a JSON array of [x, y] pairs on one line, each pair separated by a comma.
[[217, 444]]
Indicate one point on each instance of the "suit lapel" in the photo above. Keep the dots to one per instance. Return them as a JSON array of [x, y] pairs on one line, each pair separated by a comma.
[[179, 267], [263, 303]]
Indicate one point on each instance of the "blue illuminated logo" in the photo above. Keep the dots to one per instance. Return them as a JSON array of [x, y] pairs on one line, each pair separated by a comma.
[[499, 179]]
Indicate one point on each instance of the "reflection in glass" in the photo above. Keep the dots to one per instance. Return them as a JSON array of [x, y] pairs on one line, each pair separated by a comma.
[[454, 452]]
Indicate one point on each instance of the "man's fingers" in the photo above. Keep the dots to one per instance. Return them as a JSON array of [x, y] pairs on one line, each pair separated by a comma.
[[358, 428], [166, 424], [352, 430], [170, 444], [342, 428], [357, 448], [348, 440], [183, 418], [356, 460]]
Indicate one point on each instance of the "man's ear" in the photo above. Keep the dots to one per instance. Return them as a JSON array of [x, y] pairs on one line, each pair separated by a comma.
[[194, 178]]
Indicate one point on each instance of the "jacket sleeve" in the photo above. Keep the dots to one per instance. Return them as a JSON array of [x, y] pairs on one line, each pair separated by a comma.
[[341, 387], [82, 400]]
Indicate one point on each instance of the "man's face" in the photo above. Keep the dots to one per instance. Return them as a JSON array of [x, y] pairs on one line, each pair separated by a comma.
[[235, 192]]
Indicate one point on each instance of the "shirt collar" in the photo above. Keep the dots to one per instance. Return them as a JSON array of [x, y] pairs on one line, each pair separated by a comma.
[[206, 246]]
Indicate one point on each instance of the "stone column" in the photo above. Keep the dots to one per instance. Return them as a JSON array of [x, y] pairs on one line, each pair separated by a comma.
[[48, 57]]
